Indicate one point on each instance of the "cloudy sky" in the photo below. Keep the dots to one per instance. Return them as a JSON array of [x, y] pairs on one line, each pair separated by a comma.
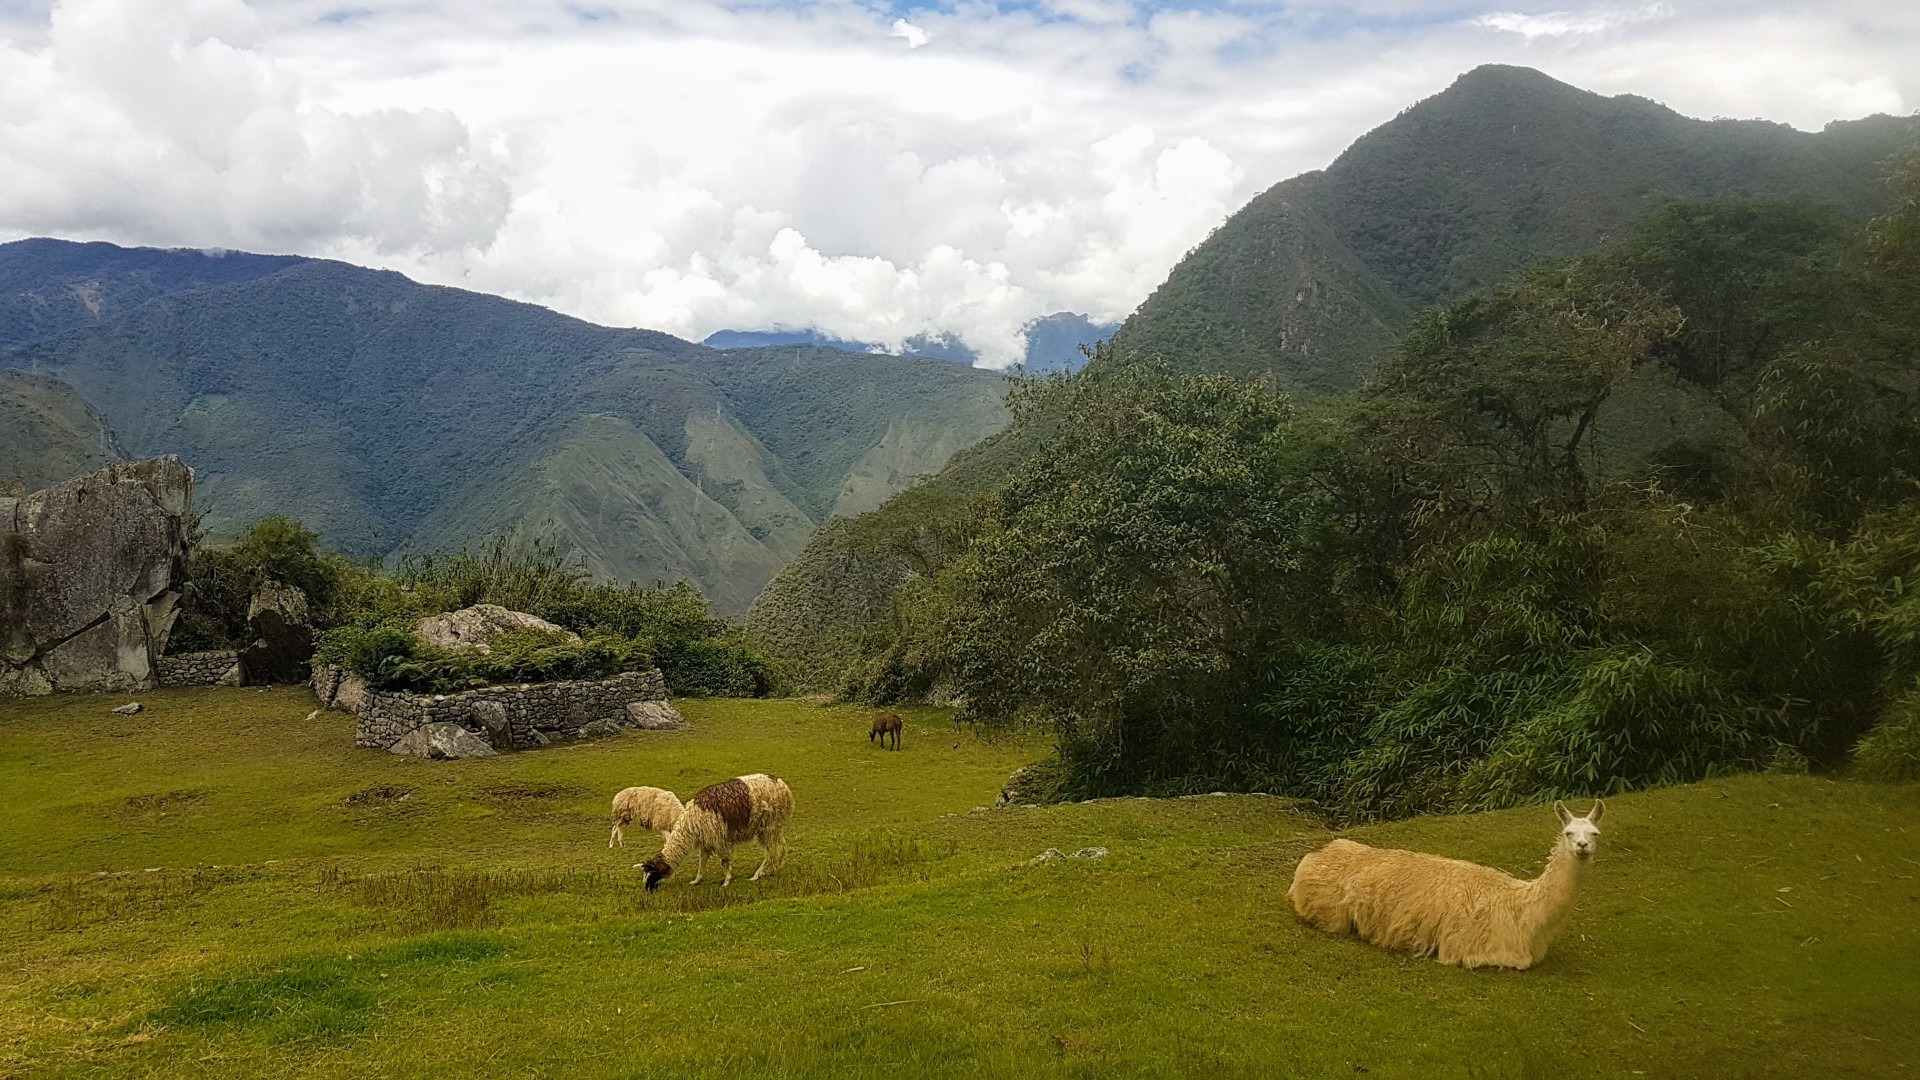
[[873, 170]]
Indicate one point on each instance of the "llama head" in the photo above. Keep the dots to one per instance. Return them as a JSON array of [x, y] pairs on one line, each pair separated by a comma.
[[657, 870], [1581, 835]]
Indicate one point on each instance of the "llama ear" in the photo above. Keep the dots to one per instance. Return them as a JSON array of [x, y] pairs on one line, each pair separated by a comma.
[[1560, 808], [1599, 808]]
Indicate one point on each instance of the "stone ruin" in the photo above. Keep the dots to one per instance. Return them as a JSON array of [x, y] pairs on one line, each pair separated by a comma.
[[90, 578], [476, 723]]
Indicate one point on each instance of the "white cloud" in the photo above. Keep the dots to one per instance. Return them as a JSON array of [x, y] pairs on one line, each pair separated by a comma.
[[915, 36], [169, 123], [1560, 23], [696, 164]]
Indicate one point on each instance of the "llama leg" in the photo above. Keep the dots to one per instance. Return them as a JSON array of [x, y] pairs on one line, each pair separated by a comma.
[[699, 867], [726, 863], [776, 855], [616, 836], [769, 846]]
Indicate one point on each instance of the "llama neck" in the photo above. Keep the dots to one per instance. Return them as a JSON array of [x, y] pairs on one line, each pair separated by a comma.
[[677, 847], [1550, 895]]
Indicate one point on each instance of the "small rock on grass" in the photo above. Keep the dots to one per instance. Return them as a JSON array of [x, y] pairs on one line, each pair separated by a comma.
[[1053, 853], [129, 708]]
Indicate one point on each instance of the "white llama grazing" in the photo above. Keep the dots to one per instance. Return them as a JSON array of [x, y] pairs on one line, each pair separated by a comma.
[[653, 809], [721, 815], [1459, 912]]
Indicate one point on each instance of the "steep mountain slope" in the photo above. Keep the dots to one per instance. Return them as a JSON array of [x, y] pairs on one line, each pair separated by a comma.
[[48, 434], [1314, 277], [391, 416]]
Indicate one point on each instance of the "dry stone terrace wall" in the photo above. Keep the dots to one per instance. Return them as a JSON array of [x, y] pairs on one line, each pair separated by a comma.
[[519, 717], [221, 668]]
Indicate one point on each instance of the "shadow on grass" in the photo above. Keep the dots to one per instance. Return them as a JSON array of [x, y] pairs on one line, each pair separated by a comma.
[[431, 899], [322, 996]]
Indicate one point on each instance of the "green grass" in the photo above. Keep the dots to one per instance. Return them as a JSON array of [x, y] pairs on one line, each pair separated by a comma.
[[219, 885]]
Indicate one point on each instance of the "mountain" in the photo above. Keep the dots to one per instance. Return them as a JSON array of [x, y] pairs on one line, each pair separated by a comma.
[[393, 416], [1053, 342], [48, 433], [1315, 277]]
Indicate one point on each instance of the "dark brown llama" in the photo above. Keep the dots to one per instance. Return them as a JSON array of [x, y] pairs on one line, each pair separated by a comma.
[[884, 724]]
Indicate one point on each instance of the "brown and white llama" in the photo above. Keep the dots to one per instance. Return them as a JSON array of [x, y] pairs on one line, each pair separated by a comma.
[[1458, 912], [754, 807], [653, 809]]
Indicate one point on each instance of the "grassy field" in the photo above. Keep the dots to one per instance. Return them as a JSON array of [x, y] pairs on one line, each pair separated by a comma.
[[221, 886]]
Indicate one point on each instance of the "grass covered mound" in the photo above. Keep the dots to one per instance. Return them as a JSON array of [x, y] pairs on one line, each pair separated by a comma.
[[218, 885]]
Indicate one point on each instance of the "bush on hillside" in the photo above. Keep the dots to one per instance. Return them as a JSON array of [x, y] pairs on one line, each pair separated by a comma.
[[1891, 751]]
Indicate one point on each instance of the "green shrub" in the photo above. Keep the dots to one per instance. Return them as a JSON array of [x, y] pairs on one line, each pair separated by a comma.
[[1891, 751], [392, 657]]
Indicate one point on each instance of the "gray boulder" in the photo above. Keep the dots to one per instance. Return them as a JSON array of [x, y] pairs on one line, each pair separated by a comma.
[[654, 716], [600, 728], [90, 576], [491, 716], [282, 635], [478, 626], [442, 742]]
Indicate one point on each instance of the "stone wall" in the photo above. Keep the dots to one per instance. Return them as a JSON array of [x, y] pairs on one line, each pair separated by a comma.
[[90, 574], [220, 668], [519, 717]]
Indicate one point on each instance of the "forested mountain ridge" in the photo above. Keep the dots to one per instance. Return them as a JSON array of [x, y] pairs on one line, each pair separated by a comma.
[[397, 416], [1315, 278], [1316, 281]]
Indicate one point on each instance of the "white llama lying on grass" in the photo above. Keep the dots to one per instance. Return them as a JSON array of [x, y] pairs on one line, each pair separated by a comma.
[[653, 809], [721, 815], [1459, 912]]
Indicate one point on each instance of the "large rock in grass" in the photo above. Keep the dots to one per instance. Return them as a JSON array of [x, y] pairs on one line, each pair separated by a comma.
[[281, 633], [654, 716], [479, 626], [442, 742], [90, 575]]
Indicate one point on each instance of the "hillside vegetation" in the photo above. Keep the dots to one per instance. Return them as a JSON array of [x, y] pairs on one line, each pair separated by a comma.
[[221, 884], [393, 416], [48, 434], [1625, 520], [1312, 281], [1314, 284]]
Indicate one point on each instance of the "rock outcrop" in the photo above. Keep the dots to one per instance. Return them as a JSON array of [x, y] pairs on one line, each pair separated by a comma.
[[478, 626], [442, 742], [281, 645], [90, 575]]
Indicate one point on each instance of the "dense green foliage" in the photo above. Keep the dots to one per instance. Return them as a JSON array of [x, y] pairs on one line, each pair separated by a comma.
[[622, 627], [396, 417], [1312, 281], [1437, 593], [221, 581], [392, 657]]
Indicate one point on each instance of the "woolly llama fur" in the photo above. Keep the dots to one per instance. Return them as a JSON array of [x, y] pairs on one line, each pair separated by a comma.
[[653, 809], [721, 815], [1459, 912]]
